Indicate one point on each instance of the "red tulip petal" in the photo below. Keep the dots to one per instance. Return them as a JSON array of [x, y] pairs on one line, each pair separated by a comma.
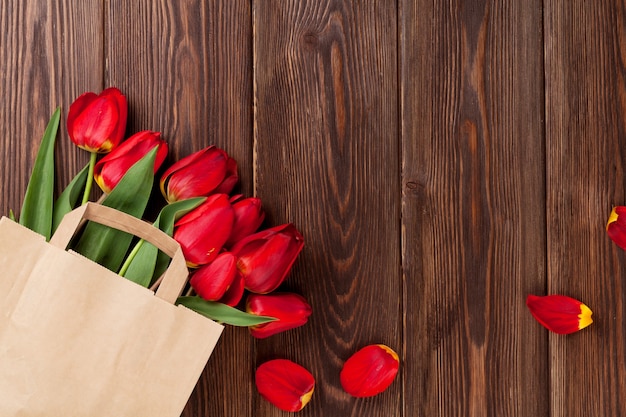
[[285, 384], [616, 226], [212, 280], [290, 310], [369, 371], [202, 232], [234, 293], [559, 313], [110, 169], [196, 175]]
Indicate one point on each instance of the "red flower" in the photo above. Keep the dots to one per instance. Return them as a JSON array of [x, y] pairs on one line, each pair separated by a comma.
[[285, 384], [248, 218], [110, 169], [369, 371], [212, 280], [197, 175], [203, 231], [230, 179], [290, 310], [616, 226], [266, 257], [559, 313], [96, 122], [234, 293]]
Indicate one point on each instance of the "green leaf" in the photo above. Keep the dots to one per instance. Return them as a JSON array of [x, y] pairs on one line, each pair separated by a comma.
[[11, 215], [142, 266], [108, 246], [69, 197], [36, 213], [222, 313]]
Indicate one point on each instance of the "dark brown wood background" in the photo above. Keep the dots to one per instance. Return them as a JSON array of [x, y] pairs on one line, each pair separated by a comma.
[[443, 159]]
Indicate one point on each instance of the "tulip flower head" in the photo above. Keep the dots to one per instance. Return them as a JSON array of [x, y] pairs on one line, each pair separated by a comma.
[[234, 293], [198, 175], [559, 313], [248, 218], [110, 169], [369, 371], [203, 231], [212, 280], [616, 226], [290, 311], [266, 257], [97, 122], [285, 384]]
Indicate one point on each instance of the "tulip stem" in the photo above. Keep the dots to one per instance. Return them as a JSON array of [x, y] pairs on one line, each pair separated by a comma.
[[130, 258], [92, 164]]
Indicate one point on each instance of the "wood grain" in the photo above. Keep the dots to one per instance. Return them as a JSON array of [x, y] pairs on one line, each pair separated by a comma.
[[585, 142], [326, 141], [43, 65], [473, 208], [186, 68]]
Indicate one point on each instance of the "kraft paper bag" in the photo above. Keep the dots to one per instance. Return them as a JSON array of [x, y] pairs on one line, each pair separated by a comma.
[[79, 340]]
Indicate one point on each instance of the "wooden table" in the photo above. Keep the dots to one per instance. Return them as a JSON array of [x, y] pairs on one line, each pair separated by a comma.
[[443, 159]]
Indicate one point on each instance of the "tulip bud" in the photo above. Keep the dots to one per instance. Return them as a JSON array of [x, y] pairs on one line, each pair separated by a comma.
[[285, 384], [212, 280], [369, 371], [266, 257], [248, 218], [97, 122], [110, 169], [196, 175], [290, 311], [616, 226], [203, 231], [559, 313]]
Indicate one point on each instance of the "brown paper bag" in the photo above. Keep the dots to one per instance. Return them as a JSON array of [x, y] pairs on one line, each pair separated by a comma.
[[79, 340]]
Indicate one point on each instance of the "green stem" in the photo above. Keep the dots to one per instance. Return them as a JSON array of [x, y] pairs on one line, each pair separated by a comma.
[[130, 258], [92, 164]]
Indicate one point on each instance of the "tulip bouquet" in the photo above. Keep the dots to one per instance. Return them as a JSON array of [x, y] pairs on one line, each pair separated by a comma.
[[228, 253], [219, 234]]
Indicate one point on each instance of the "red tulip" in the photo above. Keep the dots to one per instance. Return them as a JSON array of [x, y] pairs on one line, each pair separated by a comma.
[[248, 218], [616, 226], [285, 384], [197, 175], [559, 313], [96, 122], [266, 257], [110, 169], [212, 280], [290, 310], [230, 179], [234, 293], [369, 371], [203, 231]]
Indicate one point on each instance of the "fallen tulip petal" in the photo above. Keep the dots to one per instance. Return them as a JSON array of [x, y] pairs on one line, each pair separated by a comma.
[[559, 313], [369, 371], [285, 384], [616, 226]]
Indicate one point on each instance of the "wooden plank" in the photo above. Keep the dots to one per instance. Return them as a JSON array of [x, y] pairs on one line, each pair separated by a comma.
[[50, 54], [585, 141], [326, 142], [186, 68], [473, 208]]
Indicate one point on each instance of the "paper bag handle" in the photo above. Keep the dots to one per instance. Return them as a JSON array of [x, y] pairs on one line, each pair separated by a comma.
[[174, 278]]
